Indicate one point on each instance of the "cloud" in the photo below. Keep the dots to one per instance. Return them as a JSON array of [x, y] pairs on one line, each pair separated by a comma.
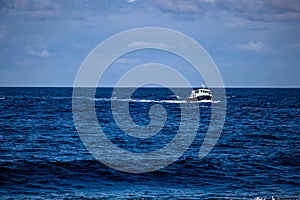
[[287, 5], [3, 32], [143, 44], [209, 1], [34, 9], [65, 31], [268, 10], [252, 46], [297, 45], [43, 54], [178, 6]]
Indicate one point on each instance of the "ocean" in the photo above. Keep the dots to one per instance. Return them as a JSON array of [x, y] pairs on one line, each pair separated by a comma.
[[257, 155]]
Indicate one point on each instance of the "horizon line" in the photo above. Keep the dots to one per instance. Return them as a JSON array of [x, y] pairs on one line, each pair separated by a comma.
[[68, 86]]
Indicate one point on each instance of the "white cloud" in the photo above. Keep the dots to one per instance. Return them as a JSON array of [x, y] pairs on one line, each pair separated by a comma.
[[43, 54], [131, 1], [297, 45], [252, 46], [143, 44], [209, 1], [178, 6], [3, 33]]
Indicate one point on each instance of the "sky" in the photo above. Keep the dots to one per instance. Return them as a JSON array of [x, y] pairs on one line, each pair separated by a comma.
[[254, 43]]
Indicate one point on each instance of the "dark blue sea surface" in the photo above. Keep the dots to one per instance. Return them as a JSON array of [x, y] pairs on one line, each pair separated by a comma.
[[256, 157]]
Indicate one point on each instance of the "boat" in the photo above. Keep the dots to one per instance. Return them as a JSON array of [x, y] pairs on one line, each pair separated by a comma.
[[201, 94]]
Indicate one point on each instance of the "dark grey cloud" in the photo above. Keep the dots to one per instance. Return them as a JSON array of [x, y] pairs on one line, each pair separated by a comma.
[[52, 35], [263, 10]]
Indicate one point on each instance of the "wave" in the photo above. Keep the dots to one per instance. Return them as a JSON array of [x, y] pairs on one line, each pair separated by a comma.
[[153, 101], [35, 98]]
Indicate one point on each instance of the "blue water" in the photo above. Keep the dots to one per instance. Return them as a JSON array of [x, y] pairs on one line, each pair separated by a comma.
[[256, 157]]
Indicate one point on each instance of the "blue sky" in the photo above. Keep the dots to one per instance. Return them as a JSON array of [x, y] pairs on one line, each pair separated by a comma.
[[253, 43]]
